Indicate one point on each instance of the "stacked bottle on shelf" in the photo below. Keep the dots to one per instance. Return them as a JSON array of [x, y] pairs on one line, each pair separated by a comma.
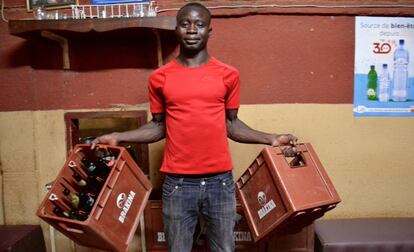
[[80, 191]]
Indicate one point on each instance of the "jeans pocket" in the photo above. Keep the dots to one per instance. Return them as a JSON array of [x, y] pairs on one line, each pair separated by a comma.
[[228, 184], [168, 189]]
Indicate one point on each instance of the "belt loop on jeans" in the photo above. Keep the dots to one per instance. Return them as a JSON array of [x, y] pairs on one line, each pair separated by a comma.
[[180, 181]]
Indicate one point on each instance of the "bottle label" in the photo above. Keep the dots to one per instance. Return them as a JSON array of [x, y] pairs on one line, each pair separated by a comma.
[[371, 92], [401, 61]]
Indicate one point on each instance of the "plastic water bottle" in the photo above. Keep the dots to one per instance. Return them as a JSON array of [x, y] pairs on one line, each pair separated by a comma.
[[372, 84], [400, 76], [384, 84]]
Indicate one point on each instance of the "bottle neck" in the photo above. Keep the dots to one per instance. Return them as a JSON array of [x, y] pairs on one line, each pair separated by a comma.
[[73, 196]]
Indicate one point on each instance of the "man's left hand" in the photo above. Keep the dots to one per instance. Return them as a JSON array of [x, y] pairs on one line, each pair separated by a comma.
[[287, 143]]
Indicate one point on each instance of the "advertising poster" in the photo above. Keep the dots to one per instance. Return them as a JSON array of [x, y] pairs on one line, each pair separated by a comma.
[[384, 66]]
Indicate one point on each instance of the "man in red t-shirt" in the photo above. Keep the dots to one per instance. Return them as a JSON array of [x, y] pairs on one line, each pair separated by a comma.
[[194, 101]]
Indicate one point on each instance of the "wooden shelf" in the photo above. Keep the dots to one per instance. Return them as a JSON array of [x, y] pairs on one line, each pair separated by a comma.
[[64, 30], [27, 28]]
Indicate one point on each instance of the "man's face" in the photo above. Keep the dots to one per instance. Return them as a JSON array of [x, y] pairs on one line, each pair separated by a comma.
[[193, 29]]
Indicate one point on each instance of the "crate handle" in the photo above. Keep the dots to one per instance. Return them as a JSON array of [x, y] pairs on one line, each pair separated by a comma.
[[75, 230], [239, 184], [121, 165], [245, 177], [104, 198], [78, 150], [330, 207], [259, 160], [252, 169], [70, 229], [113, 179], [297, 161]]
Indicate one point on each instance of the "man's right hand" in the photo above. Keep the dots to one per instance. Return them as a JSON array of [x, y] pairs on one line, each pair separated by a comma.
[[111, 139]]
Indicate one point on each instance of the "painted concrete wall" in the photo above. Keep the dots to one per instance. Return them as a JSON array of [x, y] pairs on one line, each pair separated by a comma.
[[284, 56], [367, 159]]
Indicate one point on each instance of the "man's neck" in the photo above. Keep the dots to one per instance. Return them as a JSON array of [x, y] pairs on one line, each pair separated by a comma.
[[193, 60]]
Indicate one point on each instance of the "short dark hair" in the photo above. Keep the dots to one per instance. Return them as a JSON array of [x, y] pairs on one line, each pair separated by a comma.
[[194, 5]]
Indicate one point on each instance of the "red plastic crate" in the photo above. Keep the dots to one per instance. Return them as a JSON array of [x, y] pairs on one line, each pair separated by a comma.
[[280, 197], [114, 217]]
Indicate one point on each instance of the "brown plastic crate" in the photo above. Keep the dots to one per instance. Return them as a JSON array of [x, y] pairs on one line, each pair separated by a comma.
[[279, 197], [155, 239], [114, 217], [242, 236]]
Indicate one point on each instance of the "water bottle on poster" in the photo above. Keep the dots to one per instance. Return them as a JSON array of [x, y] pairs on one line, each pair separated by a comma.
[[400, 75]]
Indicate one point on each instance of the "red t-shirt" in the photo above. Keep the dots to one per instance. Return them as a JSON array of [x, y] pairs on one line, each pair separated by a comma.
[[194, 100]]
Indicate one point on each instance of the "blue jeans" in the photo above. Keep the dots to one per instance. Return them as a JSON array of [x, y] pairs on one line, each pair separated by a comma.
[[212, 197]]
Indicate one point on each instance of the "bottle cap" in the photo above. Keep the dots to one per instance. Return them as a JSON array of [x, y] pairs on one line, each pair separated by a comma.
[[385, 66], [401, 41], [372, 67], [66, 191], [77, 176]]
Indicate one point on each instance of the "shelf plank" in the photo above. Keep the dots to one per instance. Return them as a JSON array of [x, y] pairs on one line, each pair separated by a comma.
[[27, 28]]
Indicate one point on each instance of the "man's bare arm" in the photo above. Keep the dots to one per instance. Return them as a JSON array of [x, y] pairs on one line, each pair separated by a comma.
[[150, 132], [238, 131]]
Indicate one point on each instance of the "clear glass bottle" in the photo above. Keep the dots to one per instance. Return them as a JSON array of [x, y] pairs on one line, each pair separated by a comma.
[[39, 12]]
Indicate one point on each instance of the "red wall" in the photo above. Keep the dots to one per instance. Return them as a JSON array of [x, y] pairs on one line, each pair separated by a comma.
[[282, 57]]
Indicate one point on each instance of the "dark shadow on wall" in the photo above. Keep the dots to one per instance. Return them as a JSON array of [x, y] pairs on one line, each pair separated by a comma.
[[129, 48]]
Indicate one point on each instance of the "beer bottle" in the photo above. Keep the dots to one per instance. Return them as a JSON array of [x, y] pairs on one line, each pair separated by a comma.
[[99, 168], [74, 199], [59, 212], [90, 167], [96, 183], [86, 201], [70, 215], [99, 152], [132, 153], [92, 184], [76, 215], [104, 153], [103, 168], [79, 180], [86, 140]]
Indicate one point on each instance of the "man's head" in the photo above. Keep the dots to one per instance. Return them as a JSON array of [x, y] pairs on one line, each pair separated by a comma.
[[193, 27]]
